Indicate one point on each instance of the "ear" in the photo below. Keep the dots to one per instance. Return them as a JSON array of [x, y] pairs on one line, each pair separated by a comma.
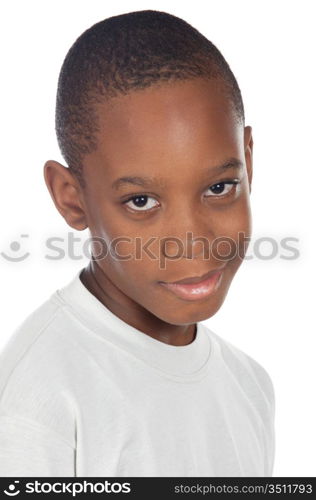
[[65, 192], [248, 145]]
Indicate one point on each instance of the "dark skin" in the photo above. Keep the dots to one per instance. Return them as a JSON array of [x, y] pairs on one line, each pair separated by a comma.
[[175, 132]]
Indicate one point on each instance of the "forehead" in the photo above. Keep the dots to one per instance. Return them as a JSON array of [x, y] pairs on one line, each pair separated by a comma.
[[160, 126]]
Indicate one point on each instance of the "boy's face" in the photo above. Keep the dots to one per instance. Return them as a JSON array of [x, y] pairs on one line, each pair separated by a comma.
[[174, 135]]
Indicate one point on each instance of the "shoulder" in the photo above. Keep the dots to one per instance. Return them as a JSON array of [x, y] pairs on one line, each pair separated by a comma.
[[252, 383], [247, 372], [34, 369], [25, 335], [25, 341]]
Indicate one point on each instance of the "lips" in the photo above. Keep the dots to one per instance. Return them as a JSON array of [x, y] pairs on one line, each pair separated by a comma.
[[194, 279], [197, 290]]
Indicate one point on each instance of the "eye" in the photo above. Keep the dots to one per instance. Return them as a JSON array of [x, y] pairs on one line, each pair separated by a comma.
[[140, 202], [219, 189]]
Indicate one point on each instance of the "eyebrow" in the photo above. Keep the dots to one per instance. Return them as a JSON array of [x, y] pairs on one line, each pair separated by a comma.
[[147, 181]]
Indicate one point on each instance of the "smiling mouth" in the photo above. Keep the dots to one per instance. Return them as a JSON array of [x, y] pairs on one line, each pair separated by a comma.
[[197, 287]]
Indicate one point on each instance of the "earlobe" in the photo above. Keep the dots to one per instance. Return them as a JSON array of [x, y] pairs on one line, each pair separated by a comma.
[[64, 191]]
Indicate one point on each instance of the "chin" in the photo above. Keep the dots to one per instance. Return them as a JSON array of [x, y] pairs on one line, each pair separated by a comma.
[[189, 312]]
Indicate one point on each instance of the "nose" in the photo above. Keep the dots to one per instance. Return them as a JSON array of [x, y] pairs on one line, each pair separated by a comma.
[[189, 235], [188, 247]]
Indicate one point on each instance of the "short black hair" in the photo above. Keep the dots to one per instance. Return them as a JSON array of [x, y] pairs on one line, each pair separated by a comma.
[[123, 53]]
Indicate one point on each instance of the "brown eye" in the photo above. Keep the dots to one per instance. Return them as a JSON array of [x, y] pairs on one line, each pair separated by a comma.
[[139, 203], [219, 189]]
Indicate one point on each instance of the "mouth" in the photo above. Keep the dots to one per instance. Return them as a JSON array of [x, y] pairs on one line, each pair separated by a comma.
[[195, 287]]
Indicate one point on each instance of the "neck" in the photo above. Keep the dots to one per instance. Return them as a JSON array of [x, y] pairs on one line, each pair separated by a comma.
[[132, 313]]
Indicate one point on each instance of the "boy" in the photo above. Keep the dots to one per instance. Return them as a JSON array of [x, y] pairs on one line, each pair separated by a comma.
[[114, 374]]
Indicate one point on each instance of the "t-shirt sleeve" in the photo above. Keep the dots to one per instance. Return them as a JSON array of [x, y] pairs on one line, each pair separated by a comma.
[[37, 418], [267, 411], [28, 448], [258, 386]]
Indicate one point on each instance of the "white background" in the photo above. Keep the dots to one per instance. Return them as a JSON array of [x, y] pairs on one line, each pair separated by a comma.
[[270, 308]]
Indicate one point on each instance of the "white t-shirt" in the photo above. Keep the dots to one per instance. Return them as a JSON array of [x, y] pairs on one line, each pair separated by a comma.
[[82, 393]]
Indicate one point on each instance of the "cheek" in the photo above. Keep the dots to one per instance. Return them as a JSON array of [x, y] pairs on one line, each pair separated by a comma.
[[132, 275], [232, 232], [130, 260]]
